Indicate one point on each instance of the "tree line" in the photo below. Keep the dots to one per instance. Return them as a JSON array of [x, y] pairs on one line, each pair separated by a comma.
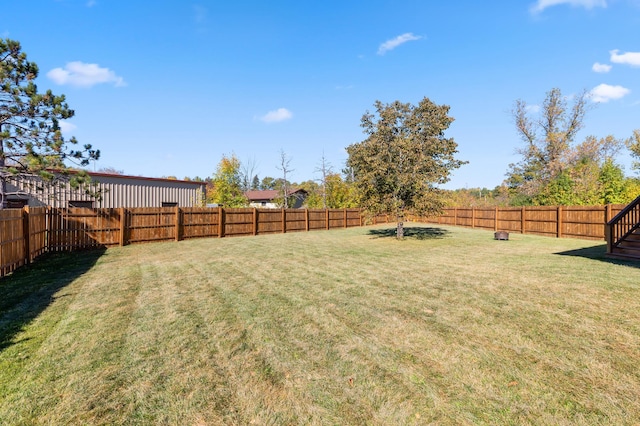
[[400, 165]]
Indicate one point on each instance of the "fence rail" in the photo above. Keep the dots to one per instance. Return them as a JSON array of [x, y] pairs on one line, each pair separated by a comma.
[[28, 233], [587, 222]]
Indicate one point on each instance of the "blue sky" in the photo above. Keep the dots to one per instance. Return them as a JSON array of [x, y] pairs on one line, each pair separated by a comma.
[[167, 87]]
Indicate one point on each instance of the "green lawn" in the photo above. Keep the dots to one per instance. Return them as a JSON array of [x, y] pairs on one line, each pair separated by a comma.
[[327, 327]]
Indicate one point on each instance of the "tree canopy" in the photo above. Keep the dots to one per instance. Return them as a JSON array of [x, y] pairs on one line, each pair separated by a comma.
[[227, 184], [31, 141], [403, 159], [556, 170]]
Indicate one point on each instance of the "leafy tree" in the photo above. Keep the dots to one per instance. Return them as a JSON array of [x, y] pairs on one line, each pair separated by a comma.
[[31, 141], [633, 143], [255, 183], [226, 187], [547, 138], [612, 183], [340, 193], [314, 194], [403, 158], [267, 183]]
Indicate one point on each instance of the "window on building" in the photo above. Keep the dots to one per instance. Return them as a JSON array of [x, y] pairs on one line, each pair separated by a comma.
[[169, 204], [80, 203]]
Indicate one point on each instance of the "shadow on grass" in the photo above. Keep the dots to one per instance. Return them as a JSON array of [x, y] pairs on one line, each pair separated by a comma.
[[415, 232], [31, 289], [598, 253]]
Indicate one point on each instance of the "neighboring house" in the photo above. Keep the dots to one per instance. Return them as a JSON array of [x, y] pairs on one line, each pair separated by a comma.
[[268, 199], [116, 191]]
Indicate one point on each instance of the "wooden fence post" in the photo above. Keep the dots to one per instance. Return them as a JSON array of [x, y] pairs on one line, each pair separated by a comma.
[[220, 222], [495, 220], [455, 216], [345, 217], [608, 213], [306, 219], [284, 220], [559, 217], [361, 218], [50, 233], [523, 219], [123, 225], [473, 217], [326, 211], [255, 221], [25, 235], [178, 223]]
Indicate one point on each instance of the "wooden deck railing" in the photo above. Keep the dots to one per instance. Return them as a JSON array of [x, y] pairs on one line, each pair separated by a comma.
[[623, 224]]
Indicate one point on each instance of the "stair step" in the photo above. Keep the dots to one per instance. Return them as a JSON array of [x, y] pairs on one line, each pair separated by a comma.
[[627, 252], [629, 244], [622, 256]]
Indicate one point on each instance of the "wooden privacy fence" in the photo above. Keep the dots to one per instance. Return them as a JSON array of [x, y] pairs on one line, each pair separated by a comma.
[[27, 233], [588, 222]]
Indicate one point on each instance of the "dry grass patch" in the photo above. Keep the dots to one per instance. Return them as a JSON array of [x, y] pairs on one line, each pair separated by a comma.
[[341, 327]]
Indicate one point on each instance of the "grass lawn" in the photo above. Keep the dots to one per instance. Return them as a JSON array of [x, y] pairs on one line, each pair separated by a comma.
[[338, 327]]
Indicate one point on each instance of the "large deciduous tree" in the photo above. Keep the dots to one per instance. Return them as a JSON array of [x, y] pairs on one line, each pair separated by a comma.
[[554, 170], [547, 139], [31, 141], [403, 159]]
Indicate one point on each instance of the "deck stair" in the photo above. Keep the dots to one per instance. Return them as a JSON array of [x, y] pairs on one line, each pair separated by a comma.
[[623, 233]]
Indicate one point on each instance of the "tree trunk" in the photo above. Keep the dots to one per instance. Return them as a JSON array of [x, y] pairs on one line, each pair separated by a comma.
[[3, 182], [3, 179], [400, 230]]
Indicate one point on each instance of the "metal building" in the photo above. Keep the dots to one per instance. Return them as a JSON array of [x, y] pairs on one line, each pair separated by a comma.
[[115, 191]]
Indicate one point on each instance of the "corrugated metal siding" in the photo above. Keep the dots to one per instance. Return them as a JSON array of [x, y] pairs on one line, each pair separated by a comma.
[[117, 191]]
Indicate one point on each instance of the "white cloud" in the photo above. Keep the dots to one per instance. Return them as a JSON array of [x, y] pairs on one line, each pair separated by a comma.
[[601, 68], [541, 5], [80, 74], [281, 114], [91, 3], [628, 58], [605, 92], [66, 127], [395, 42]]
